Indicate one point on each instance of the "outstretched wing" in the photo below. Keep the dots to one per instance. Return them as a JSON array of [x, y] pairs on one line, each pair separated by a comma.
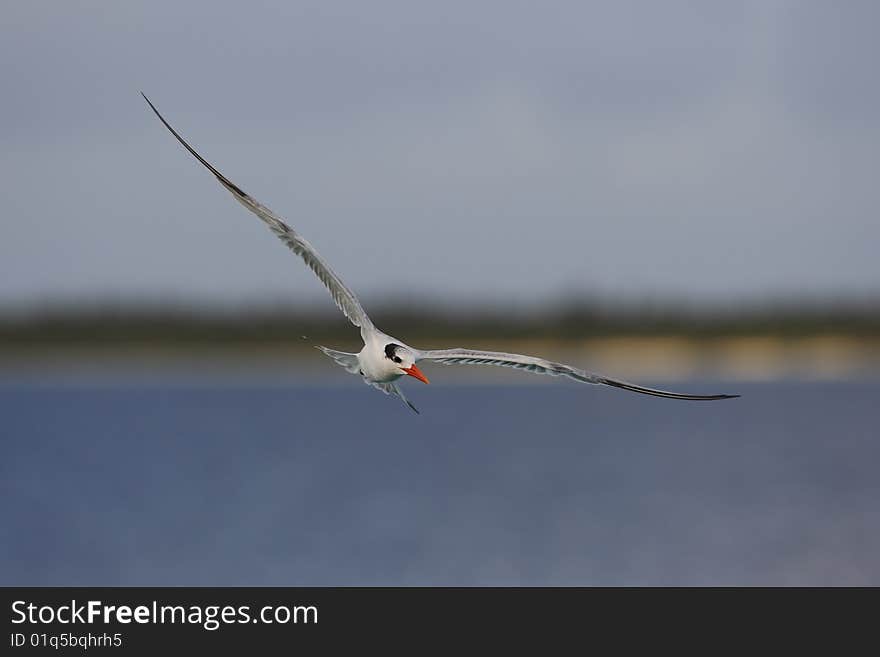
[[342, 295], [542, 366], [393, 389]]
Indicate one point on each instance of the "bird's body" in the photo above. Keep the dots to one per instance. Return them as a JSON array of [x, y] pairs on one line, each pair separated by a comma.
[[381, 360], [385, 359]]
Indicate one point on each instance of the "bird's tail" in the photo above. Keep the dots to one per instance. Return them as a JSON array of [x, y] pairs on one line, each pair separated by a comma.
[[343, 358]]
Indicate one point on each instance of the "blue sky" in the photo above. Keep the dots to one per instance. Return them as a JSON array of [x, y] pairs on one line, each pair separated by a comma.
[[481, 151]]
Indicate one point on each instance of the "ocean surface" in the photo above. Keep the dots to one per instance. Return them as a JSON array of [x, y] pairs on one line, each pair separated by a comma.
[[226, 483]]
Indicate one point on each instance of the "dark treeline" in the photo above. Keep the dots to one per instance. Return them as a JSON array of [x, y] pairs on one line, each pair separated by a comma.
[[571, 321]]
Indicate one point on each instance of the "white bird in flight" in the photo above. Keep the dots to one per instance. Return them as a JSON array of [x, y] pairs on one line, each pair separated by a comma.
[[385, 359]]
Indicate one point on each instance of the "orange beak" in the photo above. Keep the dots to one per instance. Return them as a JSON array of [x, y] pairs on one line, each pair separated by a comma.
[[417, 373]]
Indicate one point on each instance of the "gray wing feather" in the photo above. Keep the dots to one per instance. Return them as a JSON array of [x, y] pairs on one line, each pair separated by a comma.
[[343, 358], [393, 389], [342, 295], [542, 366]]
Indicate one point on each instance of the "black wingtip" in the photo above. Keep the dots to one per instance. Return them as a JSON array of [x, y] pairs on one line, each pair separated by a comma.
[[664, 393], [223, 179], [150, 103]]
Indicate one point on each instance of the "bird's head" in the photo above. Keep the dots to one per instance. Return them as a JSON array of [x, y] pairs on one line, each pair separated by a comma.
[[405, 360]]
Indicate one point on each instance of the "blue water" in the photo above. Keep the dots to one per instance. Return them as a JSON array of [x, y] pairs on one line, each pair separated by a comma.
[[553, 484]]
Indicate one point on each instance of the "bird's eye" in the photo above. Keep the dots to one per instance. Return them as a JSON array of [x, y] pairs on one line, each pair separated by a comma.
[[397, 359]]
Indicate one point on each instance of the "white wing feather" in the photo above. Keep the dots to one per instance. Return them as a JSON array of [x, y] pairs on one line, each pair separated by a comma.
[[342, 295], [542, 366]]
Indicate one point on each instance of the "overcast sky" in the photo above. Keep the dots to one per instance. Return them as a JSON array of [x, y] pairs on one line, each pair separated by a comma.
[[500, 151]]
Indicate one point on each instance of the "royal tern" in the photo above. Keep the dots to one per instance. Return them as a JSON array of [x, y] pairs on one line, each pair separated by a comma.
[[385, 359]]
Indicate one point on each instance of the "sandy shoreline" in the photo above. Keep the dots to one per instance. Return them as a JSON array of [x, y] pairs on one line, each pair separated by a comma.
[[751, 358]]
